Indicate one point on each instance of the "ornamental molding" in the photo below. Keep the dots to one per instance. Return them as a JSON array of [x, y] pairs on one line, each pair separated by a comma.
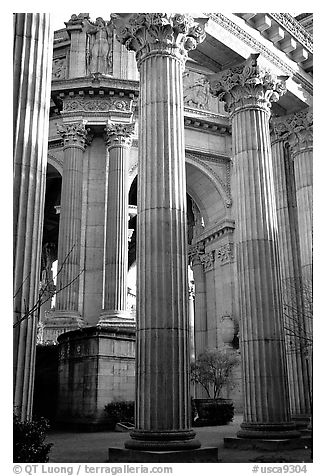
[[248, 85], [119, 134], [294, 28], [74, 134], [223, 229], [207, 260], [237, 31], [93, 105], [159, 33], [225, 254]]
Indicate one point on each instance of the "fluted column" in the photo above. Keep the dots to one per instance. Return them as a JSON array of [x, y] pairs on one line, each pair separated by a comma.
[[248, 91], [118, 138], [75, 137], [290, 280], [32, 83], [161, 42], [300, 141]]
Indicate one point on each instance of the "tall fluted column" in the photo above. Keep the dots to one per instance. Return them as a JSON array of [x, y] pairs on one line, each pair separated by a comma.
[[290, 280], [248, 91], [75, 137], [300, 141], [161, 42], [32, 83], [118, 138]]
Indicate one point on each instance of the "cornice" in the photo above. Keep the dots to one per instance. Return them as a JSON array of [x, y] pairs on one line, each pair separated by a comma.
[[237, 31], [294, 28]]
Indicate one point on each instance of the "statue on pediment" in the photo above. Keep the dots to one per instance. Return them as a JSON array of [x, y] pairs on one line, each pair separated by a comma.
[[99, 47]]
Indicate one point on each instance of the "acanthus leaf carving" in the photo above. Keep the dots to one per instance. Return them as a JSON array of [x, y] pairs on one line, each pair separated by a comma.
[[247, 85], [295, 129], [172, 33]]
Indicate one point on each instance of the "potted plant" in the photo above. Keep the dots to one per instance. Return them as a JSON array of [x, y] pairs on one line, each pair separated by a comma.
[[213, 371]]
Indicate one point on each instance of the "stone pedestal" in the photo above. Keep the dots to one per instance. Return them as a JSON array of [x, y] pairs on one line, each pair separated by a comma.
[[293, 305], [31, 88], [67, 315], [199, 455], [96, 366], [248, 91], [118, 137], [161, 42]]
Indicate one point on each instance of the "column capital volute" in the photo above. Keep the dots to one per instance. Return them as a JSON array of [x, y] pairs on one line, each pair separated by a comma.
[[295, 129], [247, 86], [75, 134], [149, 34], [119, 134]]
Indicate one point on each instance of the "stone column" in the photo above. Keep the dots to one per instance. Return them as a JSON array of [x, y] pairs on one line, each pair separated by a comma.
[[32, 85], [118, 138], [191, 318], [200, 324], [75, 137], [248, 91], [161, 42], [293, 295], [298, 128]]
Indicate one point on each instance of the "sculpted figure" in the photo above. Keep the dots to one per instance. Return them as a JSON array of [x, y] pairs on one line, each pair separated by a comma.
[[99, 47]]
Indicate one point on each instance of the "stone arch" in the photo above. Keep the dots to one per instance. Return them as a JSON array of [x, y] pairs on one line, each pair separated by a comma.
[[56, 163], [205, 188]]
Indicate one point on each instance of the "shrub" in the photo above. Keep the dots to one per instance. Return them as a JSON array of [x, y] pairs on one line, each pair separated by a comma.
[[29, 436], [120, 412], [213, 412]]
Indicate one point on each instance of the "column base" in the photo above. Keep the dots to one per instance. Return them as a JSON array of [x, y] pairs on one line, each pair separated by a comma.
[[58, 323], [269, 431], [301, 421], [261, 444], [199, 455], [162, 440], [116, 319]]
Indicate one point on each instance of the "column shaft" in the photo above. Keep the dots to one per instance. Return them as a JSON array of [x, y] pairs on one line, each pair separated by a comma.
[[69, 272], [32, 76], [162, 390], [303, 171], [264, 367], [290, 283], [116, 246], [161, 42], [248, 91]]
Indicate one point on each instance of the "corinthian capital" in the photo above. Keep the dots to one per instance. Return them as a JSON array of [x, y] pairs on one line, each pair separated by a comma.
[[296, 129], [119, 134], [247, 86], [158, 33], [74, 134]]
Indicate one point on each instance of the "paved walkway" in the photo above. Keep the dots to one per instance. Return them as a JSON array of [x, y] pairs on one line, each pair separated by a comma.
[[72, 447]]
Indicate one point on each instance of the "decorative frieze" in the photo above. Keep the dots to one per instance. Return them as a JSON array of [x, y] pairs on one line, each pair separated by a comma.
[[96, 105], [225, 253]]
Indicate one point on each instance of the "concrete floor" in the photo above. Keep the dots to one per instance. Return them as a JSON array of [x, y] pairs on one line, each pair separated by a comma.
[[73, 447]]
